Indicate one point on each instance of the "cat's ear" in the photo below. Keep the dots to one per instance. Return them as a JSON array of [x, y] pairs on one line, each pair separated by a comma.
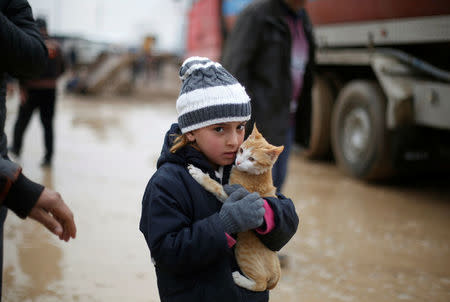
[[255, 133], [275, 151]]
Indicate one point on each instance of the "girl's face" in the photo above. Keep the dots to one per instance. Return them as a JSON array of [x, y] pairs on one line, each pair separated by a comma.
[[219, 142]]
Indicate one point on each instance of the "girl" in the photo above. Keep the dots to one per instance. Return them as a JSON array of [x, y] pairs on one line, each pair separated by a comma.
[[189, 232]]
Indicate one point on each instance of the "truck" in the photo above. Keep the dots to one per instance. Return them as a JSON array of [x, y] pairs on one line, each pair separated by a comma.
[[381, 95]]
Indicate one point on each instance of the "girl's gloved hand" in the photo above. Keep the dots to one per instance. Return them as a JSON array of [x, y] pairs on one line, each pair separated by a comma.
[[242, 210], [229, 189]]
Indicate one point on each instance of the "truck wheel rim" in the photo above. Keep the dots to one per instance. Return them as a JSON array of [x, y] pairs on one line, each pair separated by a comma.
[[356, 134]]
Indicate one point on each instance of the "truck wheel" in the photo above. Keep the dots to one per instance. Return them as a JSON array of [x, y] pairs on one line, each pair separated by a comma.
[[359, 135], [322, 104]]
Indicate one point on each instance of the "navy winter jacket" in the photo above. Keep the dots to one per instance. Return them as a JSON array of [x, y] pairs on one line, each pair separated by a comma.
[[187, 242]]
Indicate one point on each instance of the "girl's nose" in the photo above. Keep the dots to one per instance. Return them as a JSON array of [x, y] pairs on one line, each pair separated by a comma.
[[233, 139]]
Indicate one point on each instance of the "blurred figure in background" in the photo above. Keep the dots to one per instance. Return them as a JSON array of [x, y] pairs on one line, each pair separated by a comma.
[[73, 58], [40, 93], [271, 52], [23, 54]]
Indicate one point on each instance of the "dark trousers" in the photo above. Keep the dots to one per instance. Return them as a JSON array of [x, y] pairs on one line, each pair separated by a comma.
[[280, 168], [44, 100], [3, 212]]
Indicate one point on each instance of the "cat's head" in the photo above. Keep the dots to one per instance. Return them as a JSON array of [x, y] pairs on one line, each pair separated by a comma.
[[256, 155]]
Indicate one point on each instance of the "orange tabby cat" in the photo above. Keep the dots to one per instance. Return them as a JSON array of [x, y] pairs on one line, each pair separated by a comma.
[[253, 170]]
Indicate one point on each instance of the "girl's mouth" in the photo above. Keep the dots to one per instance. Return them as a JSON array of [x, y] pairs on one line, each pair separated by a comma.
[[229, 154]]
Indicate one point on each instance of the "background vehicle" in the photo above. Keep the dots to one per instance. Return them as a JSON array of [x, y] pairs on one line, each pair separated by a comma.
[[381, 101]]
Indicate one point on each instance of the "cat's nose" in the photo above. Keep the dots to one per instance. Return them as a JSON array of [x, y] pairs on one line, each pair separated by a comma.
[[238, 163]]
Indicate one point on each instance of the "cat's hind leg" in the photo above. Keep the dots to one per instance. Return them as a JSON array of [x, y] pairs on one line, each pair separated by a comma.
[[276, 272], [273, 281]]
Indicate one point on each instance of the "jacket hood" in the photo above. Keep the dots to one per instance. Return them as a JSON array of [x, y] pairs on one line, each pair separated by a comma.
[[184, 156]]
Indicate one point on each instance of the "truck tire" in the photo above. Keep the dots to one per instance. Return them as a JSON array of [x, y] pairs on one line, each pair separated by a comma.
[[359, 135], [322, 104]]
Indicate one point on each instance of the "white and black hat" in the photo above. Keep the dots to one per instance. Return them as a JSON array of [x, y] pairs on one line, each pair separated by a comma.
[[209, 95]]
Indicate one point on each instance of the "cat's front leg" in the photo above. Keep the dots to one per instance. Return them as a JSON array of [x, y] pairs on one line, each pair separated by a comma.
[[207, 182], [198, 174]]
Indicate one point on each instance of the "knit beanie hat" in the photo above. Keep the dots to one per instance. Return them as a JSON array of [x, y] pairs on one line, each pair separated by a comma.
[[209, 95]]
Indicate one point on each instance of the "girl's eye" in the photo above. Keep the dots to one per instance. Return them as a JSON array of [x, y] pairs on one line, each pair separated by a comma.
[[251, 159], [241, 127], [240, 150], [218, 129]]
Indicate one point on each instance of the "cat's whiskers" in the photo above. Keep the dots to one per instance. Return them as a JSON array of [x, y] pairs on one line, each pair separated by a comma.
[[252, 171]]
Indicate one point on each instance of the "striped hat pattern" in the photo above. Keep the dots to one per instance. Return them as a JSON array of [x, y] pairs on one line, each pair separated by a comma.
[[209, 95]]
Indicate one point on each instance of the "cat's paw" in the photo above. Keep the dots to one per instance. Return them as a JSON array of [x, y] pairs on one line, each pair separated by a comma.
[[196, 173]]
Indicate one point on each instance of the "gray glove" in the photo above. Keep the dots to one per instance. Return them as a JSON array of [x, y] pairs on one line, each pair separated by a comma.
[[229, 189], [242, 210]]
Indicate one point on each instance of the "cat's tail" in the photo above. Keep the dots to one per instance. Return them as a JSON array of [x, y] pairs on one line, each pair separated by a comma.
[[248, 283]]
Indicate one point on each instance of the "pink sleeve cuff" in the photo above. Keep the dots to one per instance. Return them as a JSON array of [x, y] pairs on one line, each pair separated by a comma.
[[230, 240], [268, 218]]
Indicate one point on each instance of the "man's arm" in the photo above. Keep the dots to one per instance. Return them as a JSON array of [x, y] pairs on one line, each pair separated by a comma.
[[27, 198], [23, 52], [14, 186], [241, 46]]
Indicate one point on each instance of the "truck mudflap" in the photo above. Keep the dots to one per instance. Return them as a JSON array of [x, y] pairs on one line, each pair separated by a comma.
[[432, 104], [417, 92]]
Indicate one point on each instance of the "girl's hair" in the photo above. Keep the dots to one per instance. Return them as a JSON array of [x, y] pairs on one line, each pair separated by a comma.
[[180, 141]]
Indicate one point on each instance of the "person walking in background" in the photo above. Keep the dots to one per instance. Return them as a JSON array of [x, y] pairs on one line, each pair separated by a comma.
[[270, 50], [23, 54], [188, 230], [40, 93]]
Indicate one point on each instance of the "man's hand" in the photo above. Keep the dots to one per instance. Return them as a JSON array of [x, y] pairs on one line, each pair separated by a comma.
[[51, 211]]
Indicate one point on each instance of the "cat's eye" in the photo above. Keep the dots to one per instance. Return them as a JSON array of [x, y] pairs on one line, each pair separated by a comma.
[[251, 159], [240, 150]]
